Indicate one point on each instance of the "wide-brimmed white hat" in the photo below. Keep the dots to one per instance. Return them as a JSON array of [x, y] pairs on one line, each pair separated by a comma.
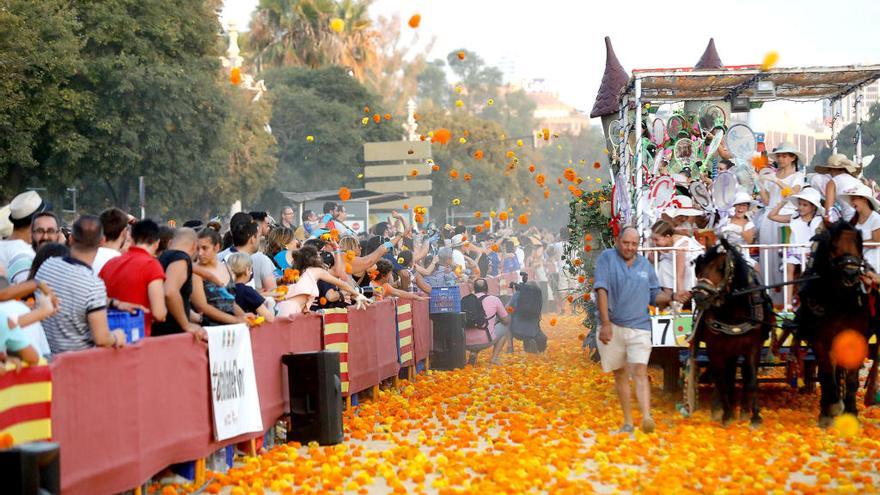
[[743, 197], [682, 206], [838, 161], [456, 241], [809, 195], [787, 148], [861, 191]]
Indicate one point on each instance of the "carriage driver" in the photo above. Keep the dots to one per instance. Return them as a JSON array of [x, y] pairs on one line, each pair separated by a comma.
[[626, 284]]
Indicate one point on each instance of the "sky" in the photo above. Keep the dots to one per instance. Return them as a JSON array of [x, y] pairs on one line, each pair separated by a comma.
[[561, 41]]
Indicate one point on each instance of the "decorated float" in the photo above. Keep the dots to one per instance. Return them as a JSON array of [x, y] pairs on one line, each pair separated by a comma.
[[665, 123]]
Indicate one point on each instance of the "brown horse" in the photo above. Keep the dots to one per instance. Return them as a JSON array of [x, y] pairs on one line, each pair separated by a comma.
[[834, 301], [734, 318]]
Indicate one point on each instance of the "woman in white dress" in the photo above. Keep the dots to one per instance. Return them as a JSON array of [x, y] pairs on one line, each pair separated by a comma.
[[803, 226], [866, 219], [775, 189], [685, 250], [837, 175], [739, 229]]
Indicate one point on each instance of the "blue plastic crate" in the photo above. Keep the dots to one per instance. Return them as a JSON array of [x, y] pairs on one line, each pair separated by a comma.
[[445, 300], [130, 323]]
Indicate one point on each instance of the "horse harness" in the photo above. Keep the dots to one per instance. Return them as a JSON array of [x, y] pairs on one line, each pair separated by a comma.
[[715, 296]]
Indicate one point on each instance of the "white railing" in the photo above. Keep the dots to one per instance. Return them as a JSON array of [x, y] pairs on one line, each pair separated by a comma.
[[773, 260]]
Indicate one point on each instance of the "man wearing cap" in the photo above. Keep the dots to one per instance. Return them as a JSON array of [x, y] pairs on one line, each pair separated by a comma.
[[16, 253]]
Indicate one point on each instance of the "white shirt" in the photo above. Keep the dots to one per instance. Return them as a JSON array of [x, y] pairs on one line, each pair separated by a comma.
[[521, 256], [867, 229], [102, 257], [16, 257], [801, 233], [458, 258], [33, 332]]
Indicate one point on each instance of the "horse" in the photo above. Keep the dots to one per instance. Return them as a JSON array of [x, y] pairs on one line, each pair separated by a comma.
[[734, 316], [833, 299]]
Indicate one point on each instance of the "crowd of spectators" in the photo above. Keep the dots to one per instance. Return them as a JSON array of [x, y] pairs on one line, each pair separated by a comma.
[[60, 286]]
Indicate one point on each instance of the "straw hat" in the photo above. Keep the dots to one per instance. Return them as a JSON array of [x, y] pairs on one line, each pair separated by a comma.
[[683, 206], [809, 195], [837, 161], [861, 191], [787, 148], [24, 206]]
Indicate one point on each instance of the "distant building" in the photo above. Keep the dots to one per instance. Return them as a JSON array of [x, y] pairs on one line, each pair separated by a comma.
[[848, 111], [556, 115], [808, 142]]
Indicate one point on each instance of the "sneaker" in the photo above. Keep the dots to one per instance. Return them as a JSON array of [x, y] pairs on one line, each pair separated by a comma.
[[627, 428], [648, 424]]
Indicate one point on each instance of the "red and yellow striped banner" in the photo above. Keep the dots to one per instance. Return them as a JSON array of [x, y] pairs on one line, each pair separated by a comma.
[[405, 334], [26, 404], [336, 339]]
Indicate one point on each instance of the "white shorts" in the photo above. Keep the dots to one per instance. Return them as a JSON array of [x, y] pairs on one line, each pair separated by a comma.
[[628, 345]]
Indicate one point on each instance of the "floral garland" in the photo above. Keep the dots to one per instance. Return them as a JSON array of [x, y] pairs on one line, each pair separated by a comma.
[[590, 229]]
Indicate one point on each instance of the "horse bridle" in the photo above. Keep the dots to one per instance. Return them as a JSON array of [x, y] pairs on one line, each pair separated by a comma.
[[705, 292], [851, 267]]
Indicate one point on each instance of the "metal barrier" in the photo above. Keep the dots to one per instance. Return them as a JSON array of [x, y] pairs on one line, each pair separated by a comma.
[[770, 261]]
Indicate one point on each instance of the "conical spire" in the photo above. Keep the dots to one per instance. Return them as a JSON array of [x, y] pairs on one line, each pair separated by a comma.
[[710, 59], [614, 79]]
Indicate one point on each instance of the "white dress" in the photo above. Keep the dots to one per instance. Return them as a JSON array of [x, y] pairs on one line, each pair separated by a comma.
[[842, 182], [872, 255], [770, 232], [733, 233], [665, 273], [801, 233]]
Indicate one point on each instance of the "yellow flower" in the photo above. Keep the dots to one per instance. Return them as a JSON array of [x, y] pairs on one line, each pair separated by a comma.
[[337, 24]]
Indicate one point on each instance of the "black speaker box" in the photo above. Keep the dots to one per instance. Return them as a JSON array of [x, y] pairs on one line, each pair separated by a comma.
[[315, 397], [448, 351], [31, 469]]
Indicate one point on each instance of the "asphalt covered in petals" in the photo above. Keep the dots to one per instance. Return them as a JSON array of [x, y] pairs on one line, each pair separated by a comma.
[[546, 424]]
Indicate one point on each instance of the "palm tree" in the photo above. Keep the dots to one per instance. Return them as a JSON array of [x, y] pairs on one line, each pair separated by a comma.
[[297, 32]]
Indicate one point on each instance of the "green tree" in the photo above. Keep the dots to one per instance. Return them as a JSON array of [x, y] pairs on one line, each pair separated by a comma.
[[870, 143], [479, 81], [39, 50], [433, 87], [328, 105], [151, 69]]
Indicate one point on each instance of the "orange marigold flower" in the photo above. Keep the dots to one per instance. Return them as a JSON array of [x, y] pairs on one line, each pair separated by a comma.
[[435, 168], [569, 174], [235, 76], [523, 219], [540, 178], [414, 21], [588, 248], [588, 237], [494, 247], [531, 168], [487, 223], [405, 207], [478, 229], [322, 301], [290, 276], [586, 296], [460, 55], [441, 136], [350, 255], [546, 193], [377, 118], [453, 174], [413, 172], [552, 322], [478, 154], [478, 214], [502, 216], [344, 193], [582, 279], [577, 262], [510, 309], [597, 165], [387, 116], [467, 177]]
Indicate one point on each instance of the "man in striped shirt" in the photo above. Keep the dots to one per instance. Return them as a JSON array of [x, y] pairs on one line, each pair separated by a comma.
[[81, 321]]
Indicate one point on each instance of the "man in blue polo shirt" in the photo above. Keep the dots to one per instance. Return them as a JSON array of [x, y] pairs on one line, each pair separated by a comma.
[[625, 284]]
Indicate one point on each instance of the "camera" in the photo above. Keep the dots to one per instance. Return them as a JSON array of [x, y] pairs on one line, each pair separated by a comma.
[[366, 291], [525, 279]]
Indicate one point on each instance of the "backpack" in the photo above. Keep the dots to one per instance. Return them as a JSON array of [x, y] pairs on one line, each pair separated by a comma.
[[529, 301], [474, 314]]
